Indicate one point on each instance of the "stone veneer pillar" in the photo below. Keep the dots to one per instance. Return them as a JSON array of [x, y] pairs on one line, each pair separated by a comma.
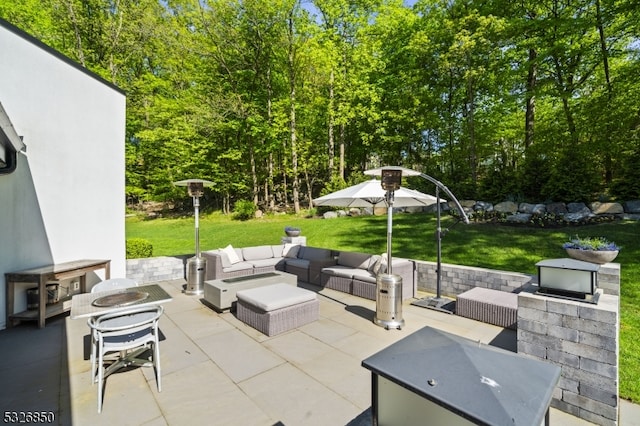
[[581, 338]]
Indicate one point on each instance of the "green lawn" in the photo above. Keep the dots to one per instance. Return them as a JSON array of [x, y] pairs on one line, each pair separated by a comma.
[[491, 246]]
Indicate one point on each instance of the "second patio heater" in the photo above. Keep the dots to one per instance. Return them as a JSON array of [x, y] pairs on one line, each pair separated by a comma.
[[389, 286], [197, 265]]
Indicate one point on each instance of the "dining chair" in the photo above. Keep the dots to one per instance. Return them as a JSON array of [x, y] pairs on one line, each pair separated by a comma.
[[110, 284], [130, 333], [114, 284]]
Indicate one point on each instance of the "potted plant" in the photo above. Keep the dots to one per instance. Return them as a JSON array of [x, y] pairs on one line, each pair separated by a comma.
[[291, 231], [591, 249]]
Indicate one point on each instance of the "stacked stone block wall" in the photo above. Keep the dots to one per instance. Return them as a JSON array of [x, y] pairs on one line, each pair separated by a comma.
[[154, 269], [581, 338], [456, 279]]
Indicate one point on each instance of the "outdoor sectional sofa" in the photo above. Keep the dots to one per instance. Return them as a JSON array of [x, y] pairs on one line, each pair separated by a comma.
[[349, 272], [303, 261], [356, 273]]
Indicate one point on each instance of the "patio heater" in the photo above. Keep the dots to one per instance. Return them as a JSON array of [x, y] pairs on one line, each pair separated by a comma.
[[197, 265], [389, 286], [438, 303]]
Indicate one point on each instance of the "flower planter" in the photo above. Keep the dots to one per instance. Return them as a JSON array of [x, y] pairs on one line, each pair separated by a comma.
[[594, 256]]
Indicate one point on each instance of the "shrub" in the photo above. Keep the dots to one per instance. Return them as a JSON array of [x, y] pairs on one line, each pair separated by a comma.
[[138, 248], [244, 210]]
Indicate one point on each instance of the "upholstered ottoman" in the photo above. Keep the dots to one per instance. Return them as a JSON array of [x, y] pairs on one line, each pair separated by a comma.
[[277, 308], [491, 306]]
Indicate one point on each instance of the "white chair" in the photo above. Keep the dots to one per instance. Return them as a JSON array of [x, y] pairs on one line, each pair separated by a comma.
[[114, 284], [134, 330], [110, 284]]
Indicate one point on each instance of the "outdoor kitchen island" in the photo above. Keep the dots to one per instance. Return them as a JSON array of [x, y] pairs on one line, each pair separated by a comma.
[[437, 378]]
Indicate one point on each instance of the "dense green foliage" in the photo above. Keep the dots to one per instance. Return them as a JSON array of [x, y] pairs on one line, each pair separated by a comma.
[[273, 100], [244, 210], [492, 246], [138, 248]]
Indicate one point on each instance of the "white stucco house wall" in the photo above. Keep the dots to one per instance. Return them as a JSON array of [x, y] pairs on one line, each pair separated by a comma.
[[62, 195]]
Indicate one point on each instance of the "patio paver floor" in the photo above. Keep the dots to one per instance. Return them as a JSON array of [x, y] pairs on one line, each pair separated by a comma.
[[218, 371]]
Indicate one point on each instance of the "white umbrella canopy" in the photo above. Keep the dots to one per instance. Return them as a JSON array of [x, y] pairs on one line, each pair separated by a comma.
[[371, 194]]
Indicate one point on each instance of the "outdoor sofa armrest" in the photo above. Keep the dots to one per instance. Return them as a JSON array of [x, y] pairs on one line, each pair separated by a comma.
[[316, 266], [214, 265]]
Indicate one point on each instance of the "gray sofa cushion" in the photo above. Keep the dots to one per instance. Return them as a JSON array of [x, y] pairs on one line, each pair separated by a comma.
[[290, 251], [224, 259], [366, 278], [354, 260], [340, 271], [261, 263], [278, 250], [299, 263], [314, 253], [362, 273], [238, 267], [257, 253]]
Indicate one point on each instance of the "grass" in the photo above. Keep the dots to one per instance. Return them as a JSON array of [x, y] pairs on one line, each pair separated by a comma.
[[483, 245]]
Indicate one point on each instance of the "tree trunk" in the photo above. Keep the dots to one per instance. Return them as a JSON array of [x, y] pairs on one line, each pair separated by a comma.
[[608, 162], [292, 118], [471, 129], [330, 124], [530, 116], [76, 32]]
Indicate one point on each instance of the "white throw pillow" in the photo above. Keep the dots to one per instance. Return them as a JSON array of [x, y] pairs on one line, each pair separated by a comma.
[[231, 254], [290, 251], [381, 265]]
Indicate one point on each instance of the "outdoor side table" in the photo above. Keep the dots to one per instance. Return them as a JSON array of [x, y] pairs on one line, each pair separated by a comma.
[[436, 378], [40, 276]]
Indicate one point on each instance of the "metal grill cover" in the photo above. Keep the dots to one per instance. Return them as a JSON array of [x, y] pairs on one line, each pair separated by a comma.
[[481, 383]]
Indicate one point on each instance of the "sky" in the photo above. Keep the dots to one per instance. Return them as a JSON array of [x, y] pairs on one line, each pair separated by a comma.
[[308, 4]]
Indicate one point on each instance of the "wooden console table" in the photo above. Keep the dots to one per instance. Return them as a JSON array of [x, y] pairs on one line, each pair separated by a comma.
[[40, 276]]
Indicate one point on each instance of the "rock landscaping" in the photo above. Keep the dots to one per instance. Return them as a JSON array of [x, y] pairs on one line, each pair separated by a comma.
[[543, 215]]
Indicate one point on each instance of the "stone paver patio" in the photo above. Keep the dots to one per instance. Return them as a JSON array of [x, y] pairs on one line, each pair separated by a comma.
[[218, 371]]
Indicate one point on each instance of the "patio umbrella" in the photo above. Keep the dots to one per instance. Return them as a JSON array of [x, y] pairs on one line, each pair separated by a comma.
[[371, 194]]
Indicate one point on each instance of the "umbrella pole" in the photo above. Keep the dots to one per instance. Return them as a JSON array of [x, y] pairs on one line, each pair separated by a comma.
[[438, 245], [389, 229]]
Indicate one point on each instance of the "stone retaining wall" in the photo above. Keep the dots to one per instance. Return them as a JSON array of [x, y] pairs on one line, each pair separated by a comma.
[[456, 279], [581, 338], [157, 268]]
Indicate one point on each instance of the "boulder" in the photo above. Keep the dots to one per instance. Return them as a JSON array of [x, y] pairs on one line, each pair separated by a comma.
[[557, 208], [506, 207], [483, 206], [539, 209], [578, 217], [577, 208], [413, 209], [606, 208], [519, 218], [632, 206], [467, 203], [444, 207], [330, 215], [532, 208]]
